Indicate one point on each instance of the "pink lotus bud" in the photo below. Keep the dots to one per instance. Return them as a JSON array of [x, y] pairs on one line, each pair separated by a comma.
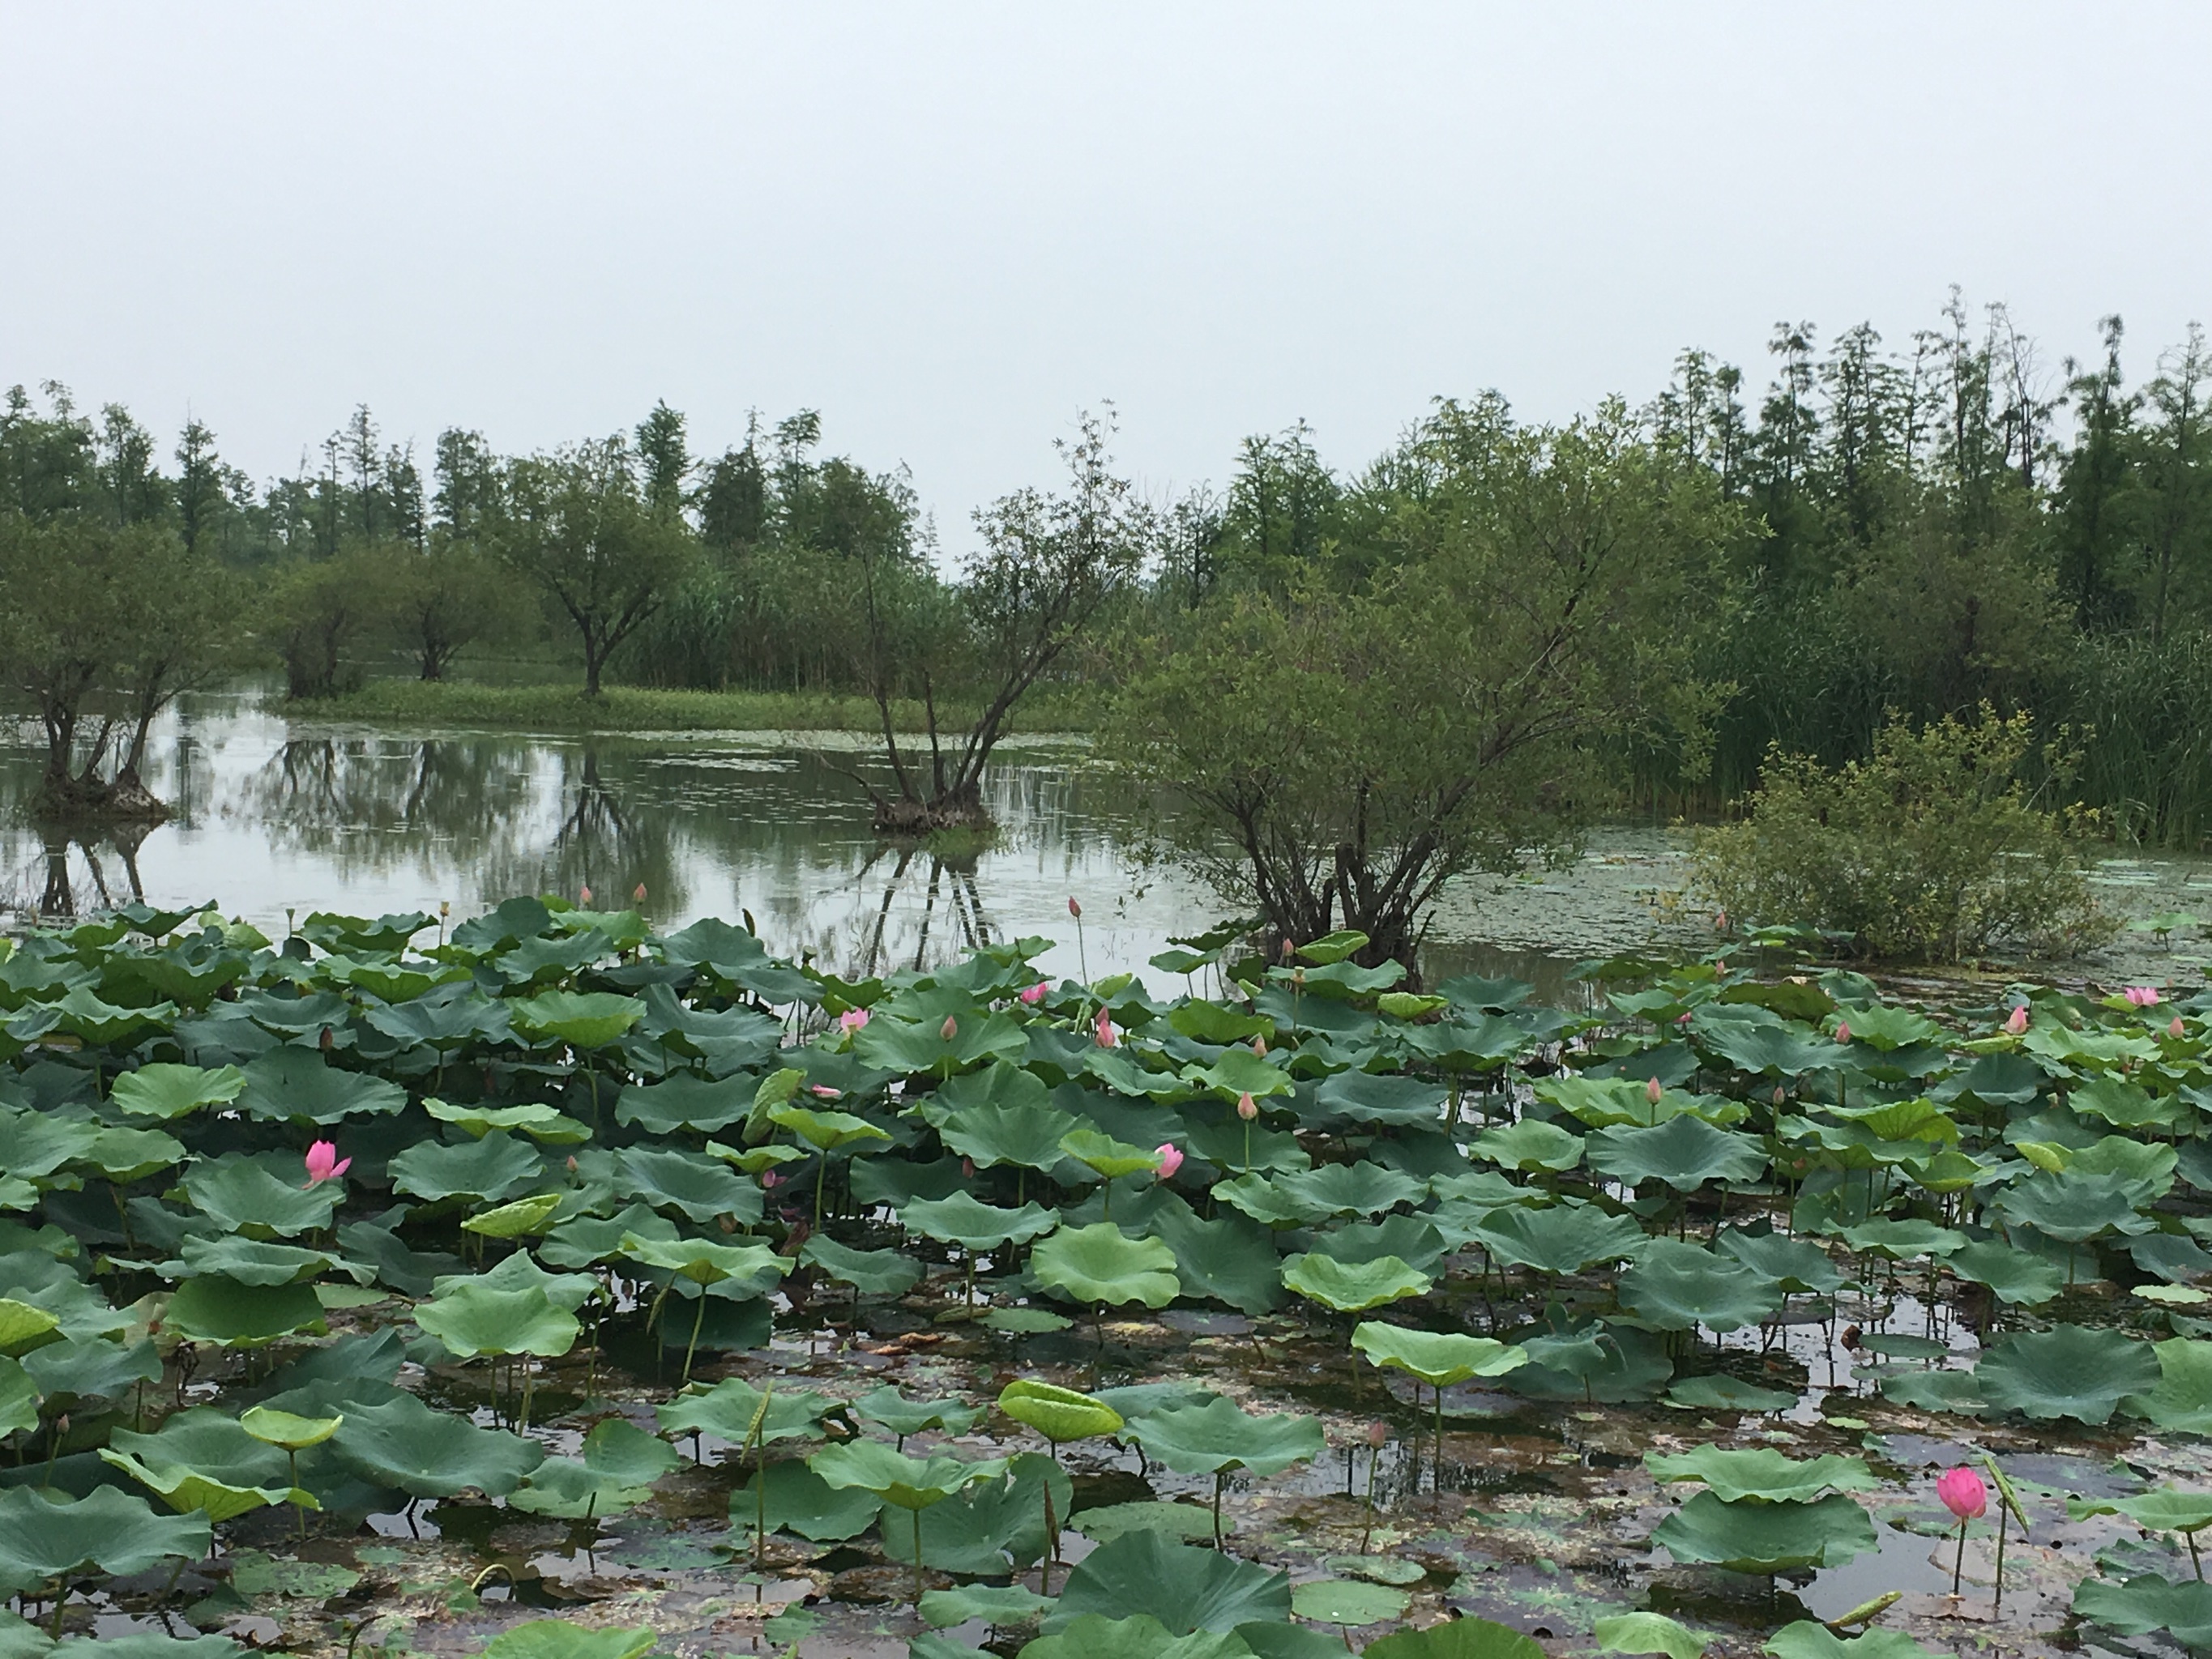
[[2176, 1030], [2016, 1021], [823, 1089], [1260, 1047], [1378, 1434], [1073, 908], [1034, 994], [1290, 949], [950, 1029], [1682, 1018], [326, 1042], [572, 1163], [1963, 1493], [1720, 921], [2142, 996], [637, 894], [1247, 1108], [324, 1163], [1778, 1096], [1103, 1028], [968, 1168], [770, 1180], [852, 1020], [1652, 1091], [1171, 1157], [1843, 1031], [584, 896]]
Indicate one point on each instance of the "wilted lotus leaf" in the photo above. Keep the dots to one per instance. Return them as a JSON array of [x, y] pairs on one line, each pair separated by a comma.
[[1761, 1472], [44, 1536], [1100, 1263], [163, 1090], [1766, 1538], [2069, 1370], [1353, 1287], [1185, 1587], [1439, 1358]]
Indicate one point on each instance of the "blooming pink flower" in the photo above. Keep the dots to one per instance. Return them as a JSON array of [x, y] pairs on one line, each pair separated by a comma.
[[852, 1020], [1652, 1091], [1073, 908], [1171, 1157], [1963, 1493], [950, 1029], [324, 1163], [2016, 1021], [1843, 1031], [2176, 1029], [1034, 994], [2142, 996], [585, 896], [1102, 1027], [1247, 1108]]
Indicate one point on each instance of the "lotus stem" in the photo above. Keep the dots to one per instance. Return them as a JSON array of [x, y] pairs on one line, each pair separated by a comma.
[[916, 1513], [1958, 1560], [1220, 1479], [821, 1171], [2004, 1516], [2195, 1560], [698, 1316], [1437, 1452], [1051, 1528]]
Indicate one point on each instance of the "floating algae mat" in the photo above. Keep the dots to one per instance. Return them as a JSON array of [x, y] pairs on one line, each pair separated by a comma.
[[553, 1291]]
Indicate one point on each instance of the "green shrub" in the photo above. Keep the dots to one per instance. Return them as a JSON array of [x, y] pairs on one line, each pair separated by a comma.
[[1932, 849]]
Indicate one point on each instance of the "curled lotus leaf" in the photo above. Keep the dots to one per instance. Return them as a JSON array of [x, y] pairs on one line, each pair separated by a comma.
[[1057, 1413], [1353, 1287]]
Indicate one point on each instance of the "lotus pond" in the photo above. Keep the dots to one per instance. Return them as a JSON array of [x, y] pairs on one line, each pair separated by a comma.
[[543, 1287]]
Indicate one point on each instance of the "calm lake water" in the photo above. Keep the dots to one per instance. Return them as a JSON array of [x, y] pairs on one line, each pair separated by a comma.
[[275, 813]]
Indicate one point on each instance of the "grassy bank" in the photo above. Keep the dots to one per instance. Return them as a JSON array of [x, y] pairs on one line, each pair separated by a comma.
[[637, 708]]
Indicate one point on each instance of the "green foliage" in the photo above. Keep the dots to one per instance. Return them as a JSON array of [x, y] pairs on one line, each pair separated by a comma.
[[1931, 848]]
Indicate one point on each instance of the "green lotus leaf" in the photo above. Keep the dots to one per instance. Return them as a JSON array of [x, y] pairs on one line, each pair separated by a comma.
[[442, 1019], [44, 1535], [253, 1261], [1767, 1050], [705, 1263], [1104, 1156], [557, 1639], [1361, 1189], [2071, 1207], [1353, 1287], [1935, 1391], [1412, 1238], [1100, 1263], [728, 1410], [243, 1194], [403, 1443], [961, 1219], [19, 1398], [1003, 1606], [211, 1443], [1258, 1198], [614, 1470], [1185, 1587], [2013, 1276], [1383, 1098], [1230, 1259], [85, 1017], [1808, 1640], [2160, 1510], [872, 1273], [1647, 1632], [1026, 1134], [1762, 1473], [2147, 1605], [2181, 1402], [1717, 1392], [892, 1410], [287, 1429], [214, 1309], [2069, 1370], [1241, 1072], [1140, 1636], [127, 1155], [534, 1118], [518, 1272], [1455, 1638], [585, 1019], [166, 1091], [187, 1491], [797, 1500], [1104, 1524], [2123, 1104], [1676, 1286], [1440, 1359], [903, 1482], [23, 1328], [472, 1321], [989, 1527], [488, 1170], [1530, 1143], [1348, 1602], [1057, 1413], [1025, 1322], [911, 1050], [1905, 1241], [520, 1218], [298, 1085], [1799, 1266], [826, 1131], [698, 1186], [148, 1644], [1684, 1152], [1563, 1239], [2149, 1167], [1766, 1538], [1217, 1434], [92, 1367]]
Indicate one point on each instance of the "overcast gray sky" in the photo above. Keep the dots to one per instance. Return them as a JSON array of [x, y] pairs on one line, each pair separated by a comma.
[[948, 227]]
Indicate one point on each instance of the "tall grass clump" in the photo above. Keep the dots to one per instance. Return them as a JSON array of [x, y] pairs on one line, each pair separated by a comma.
[[2146, 707]]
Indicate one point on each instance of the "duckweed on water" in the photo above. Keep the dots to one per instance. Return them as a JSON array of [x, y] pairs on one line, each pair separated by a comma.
[[554, 1289]]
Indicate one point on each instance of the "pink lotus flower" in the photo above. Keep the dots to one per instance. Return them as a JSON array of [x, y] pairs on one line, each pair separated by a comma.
[[1652, 1091], [823, 1089], [584, 897], [1843, 1031], [950, 1029], [1682, 1018], [2142, 996], [1034, 994], [1247, 1108], [1963, 1493], [1073, 908], [1103, 1028], [2175, 1029], [324, 1163], [1171, 1157], [852, 1020], [2016, 1021]]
